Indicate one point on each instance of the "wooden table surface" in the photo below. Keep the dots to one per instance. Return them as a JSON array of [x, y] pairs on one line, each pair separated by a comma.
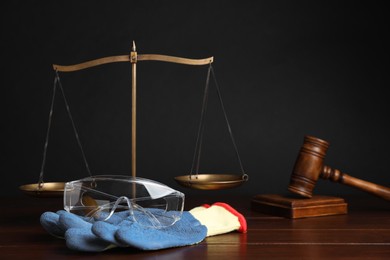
[[364, 233]]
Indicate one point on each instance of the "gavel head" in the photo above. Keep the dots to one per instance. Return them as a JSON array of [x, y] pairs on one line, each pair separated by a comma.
[[308, 166]]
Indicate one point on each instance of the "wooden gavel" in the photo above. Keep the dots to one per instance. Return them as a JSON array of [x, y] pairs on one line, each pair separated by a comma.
[[309, 166]]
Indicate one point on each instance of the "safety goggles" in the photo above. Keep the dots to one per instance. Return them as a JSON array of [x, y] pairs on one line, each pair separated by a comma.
[[148, 202]]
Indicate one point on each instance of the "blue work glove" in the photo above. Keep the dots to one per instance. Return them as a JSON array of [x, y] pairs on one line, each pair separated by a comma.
[[77, 230], [56, 225], [121, 230], [187, 231], [50, 221]]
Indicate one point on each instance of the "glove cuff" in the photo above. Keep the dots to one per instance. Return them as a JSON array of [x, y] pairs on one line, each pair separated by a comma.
[[243, 225], [199, 208]]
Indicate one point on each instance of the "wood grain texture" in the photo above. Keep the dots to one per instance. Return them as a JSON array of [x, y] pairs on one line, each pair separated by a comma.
[[309, 167], [363, 233], [295, 207]]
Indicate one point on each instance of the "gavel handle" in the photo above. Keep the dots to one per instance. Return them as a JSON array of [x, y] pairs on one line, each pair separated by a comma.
[[337, 176]]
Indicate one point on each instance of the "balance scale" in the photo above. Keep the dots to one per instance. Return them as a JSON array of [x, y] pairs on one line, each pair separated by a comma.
[[194, 179]]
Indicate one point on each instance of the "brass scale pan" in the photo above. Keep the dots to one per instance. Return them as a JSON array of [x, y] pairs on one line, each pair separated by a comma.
[[200, 182], [211, 181], [48, 189], [196, 181]]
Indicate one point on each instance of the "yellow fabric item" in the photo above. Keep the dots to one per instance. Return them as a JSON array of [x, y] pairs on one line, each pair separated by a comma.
[[217, 219], [198, 209]]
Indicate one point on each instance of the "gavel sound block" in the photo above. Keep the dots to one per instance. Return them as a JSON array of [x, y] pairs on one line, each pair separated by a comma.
[[307, 170], [290, 206]]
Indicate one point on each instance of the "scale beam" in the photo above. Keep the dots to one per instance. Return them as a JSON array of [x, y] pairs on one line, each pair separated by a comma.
[[127, 58]]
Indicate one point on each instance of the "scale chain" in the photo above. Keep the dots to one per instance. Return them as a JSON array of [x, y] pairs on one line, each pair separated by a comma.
[[227, 123], [199, 138], [73, 125], [57, 81], [198, 146], [40, 181]]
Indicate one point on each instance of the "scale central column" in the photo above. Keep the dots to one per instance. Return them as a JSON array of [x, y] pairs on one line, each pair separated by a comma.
[[133, 60]]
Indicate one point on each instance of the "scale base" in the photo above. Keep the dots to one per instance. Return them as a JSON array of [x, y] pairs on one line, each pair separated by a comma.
[[296, 207]]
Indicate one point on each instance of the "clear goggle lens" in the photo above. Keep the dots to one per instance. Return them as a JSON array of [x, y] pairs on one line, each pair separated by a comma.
[[148, 202]]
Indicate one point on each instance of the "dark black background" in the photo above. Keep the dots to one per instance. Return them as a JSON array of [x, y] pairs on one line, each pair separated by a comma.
[[286, 69]]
